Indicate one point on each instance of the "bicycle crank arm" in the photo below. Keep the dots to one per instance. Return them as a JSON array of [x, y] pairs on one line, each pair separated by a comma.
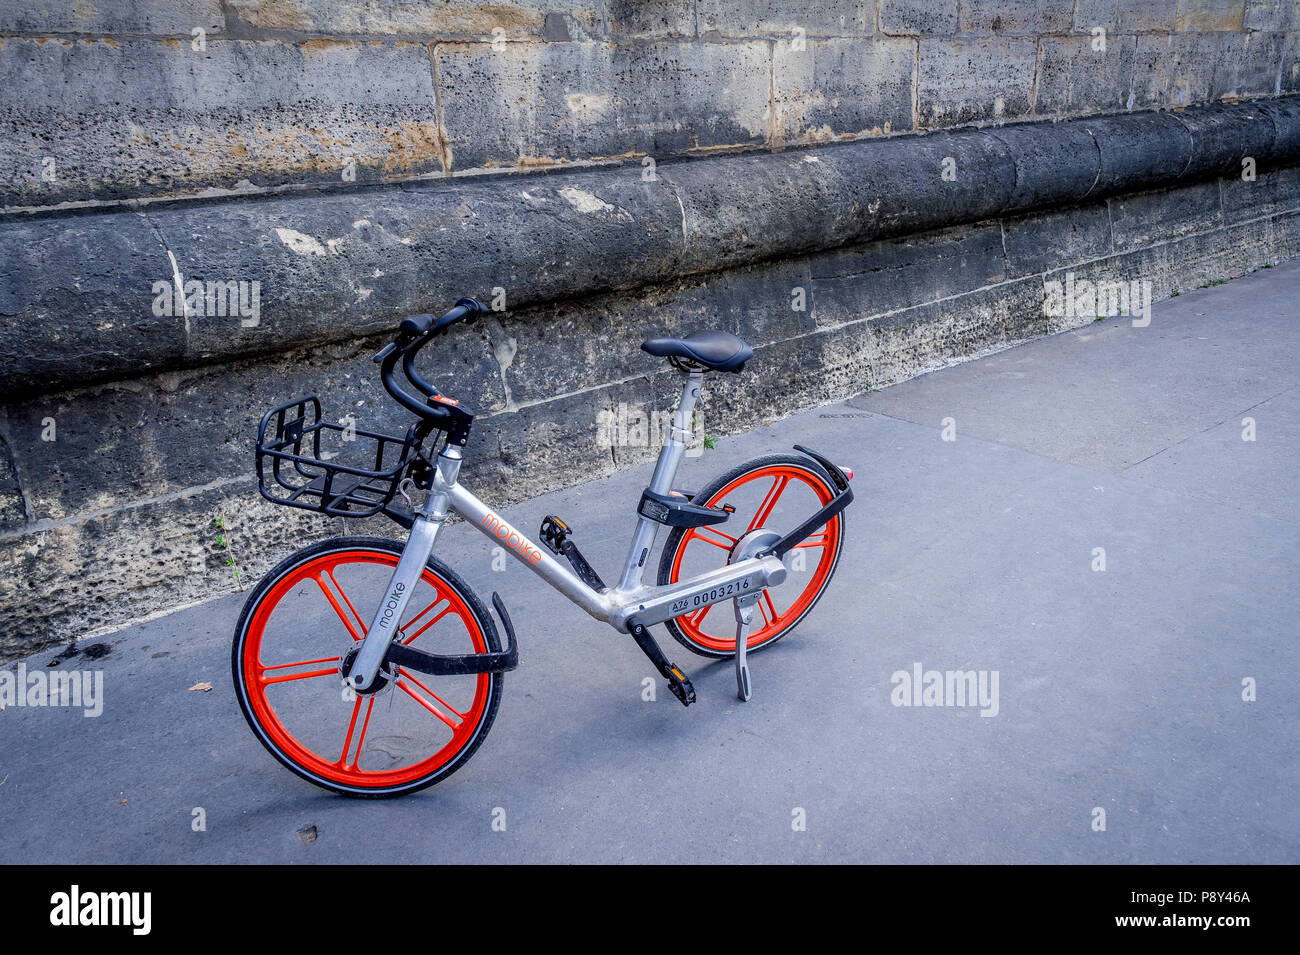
[[678, 682], [441, 664]]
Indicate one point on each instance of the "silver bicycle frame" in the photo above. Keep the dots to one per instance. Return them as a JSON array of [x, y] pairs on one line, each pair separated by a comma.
[[615, 605]]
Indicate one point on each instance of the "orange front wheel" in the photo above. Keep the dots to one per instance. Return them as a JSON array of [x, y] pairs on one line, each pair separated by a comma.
[[296, 638], [777, 492]]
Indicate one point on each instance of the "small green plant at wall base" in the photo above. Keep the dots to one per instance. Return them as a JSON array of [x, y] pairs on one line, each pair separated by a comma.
[[1267, 265], [1213, 282], [221, 540], [710, 443]]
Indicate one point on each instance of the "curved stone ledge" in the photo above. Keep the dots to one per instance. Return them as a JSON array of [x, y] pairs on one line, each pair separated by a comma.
[[77, 292]]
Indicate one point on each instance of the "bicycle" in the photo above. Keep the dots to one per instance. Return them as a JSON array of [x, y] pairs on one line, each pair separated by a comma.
[[333, 621]]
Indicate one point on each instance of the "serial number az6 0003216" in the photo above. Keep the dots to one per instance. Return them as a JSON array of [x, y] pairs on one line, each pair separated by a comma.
[[712, 595]]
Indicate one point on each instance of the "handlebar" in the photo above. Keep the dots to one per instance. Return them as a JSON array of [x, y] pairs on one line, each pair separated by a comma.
[[425, 324], [413, 334], [415, 327]]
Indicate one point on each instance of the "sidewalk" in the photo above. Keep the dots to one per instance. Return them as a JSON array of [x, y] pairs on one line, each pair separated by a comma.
[[1118, 690]]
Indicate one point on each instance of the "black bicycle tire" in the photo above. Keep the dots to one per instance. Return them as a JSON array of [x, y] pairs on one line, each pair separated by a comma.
[[705, 494], [463, 590]]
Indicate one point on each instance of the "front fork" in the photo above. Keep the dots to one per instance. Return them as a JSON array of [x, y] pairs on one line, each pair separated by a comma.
[[410, 567]]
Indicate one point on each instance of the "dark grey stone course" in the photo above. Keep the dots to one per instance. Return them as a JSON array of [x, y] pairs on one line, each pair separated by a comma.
[[336, 266]]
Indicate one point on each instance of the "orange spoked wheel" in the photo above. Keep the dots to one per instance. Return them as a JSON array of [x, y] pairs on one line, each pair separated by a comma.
[[776, 492], [297, 634]]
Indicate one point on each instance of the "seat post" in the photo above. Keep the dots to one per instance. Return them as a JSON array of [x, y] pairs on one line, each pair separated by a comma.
[[670, 457], [679, 435]]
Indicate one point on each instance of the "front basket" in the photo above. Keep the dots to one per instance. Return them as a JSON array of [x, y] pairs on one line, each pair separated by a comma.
[[336, 469]]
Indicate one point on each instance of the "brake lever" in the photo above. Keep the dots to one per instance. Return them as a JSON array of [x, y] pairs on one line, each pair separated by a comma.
[[385, 352]]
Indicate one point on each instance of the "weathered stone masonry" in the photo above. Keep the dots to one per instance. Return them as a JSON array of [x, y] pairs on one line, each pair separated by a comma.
[[798, 157]]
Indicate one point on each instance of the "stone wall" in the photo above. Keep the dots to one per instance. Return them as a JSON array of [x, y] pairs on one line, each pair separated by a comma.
[[144, 98], [863, 190]]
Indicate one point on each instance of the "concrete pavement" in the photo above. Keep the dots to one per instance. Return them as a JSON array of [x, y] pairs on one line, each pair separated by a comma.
[[1118, 689]]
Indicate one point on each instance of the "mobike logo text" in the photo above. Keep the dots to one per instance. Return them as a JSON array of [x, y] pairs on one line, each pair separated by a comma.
[[390, 606], [511, 538]]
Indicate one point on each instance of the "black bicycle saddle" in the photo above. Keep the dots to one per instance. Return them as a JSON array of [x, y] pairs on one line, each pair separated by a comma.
[[720, 351]]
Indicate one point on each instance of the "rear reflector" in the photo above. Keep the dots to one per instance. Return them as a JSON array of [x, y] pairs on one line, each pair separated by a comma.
[[848, 472]]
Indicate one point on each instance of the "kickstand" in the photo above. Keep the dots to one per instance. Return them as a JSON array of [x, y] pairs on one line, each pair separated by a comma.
[[744, 607]]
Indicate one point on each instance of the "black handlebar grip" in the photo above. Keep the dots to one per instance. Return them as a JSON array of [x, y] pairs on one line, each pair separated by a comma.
[[416, 324], [465, 308], [423, 324]]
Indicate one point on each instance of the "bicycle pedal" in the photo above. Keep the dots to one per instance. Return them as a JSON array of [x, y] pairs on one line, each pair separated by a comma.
[[681, 686], [554, 533]]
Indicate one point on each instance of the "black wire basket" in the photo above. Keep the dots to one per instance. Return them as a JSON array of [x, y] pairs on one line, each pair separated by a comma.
[[338, 470]]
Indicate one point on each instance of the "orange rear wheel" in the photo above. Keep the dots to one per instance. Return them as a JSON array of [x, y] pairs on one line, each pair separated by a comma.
[[777, 492]]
